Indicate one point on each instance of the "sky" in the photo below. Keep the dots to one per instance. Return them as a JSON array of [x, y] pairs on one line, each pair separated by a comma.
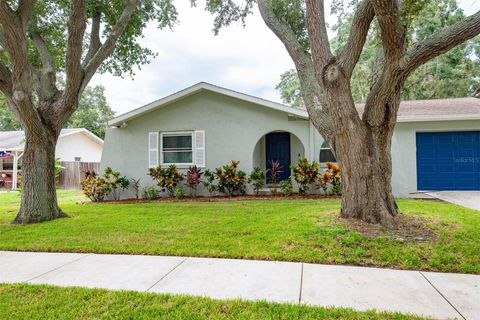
[[248, 59]]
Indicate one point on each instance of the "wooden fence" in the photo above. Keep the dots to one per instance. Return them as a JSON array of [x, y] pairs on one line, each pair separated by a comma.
[[74, 172]]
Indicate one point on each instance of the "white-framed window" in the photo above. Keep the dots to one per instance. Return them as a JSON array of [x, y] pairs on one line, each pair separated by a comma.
[[177, 148], [326, 154]]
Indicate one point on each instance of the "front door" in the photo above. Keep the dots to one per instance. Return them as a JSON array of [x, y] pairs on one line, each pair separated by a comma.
[[278, 149]]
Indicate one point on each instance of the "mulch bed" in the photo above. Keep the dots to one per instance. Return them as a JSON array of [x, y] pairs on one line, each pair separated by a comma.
[[221, 198], [408, 228]]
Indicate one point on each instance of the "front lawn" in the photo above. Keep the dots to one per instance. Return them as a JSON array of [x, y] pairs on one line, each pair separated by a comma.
[[290, 230], [46, 302]]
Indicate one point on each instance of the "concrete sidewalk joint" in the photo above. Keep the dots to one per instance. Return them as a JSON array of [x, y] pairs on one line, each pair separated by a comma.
[[435, 295]]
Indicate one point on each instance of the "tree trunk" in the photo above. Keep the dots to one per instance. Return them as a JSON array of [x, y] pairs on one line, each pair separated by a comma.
[[39, 197], [366, 173]]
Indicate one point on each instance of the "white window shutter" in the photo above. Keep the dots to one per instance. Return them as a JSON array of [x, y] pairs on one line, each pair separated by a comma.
[[200, 148], [152, 149]]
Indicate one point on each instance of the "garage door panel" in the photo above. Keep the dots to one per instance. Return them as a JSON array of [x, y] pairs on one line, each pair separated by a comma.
[[448, 161]]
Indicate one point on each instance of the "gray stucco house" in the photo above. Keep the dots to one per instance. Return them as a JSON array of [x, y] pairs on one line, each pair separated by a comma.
[[436, 145]]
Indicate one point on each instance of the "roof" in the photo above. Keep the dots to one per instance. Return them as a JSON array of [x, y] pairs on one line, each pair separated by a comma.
[[199, 87], [410, 111], [15, 140], [437, 109]]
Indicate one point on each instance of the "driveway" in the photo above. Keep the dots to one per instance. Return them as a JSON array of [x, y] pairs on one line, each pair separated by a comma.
[[467, 199]]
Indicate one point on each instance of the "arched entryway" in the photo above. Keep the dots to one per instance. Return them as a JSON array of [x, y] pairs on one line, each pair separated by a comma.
[[281, 146]]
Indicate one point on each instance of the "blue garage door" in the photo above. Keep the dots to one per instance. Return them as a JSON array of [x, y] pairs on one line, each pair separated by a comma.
[[448, 160]]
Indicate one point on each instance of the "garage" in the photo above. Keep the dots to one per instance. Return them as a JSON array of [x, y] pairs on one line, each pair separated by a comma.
[[448, 160]]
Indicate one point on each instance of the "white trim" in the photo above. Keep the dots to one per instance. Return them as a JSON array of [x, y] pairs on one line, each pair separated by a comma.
[[86, 132], [423, 118], [202, 162], [151, 162], [203, 86], [178, 133]]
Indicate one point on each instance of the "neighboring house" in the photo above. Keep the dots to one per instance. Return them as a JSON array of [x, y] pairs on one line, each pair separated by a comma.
[[436, 145], [76, 144]]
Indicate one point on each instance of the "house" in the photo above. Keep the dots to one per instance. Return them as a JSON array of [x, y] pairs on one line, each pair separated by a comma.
[[76, 144], [436, 144]]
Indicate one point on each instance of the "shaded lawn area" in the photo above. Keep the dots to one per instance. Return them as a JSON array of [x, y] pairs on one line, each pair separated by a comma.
[[289, 230], [46, 302]]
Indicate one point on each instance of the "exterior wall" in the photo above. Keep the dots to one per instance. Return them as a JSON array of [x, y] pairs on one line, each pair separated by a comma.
[[404, 150], [78, 145], [232, 130]]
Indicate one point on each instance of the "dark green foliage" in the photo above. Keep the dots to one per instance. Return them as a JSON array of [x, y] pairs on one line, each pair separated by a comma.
[[178, 193], [150, 193], [305, 174], [115, 182], [167, 178], [209, 182], [286, 187], [231, 181], [257, 179]]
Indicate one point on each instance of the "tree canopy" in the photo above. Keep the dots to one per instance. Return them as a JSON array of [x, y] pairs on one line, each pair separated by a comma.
[[453, 74]]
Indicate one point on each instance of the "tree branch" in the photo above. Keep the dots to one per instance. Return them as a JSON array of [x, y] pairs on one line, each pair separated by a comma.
[[46, 82], [391, 31], [5, 80], [350, 54], [95, 42], [73, 67], [317, 32], [108, 46], [441, 42], [48, 63], [311, 90], [24, 12]]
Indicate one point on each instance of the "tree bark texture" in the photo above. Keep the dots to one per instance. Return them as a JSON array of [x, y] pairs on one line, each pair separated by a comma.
[[39, 197]]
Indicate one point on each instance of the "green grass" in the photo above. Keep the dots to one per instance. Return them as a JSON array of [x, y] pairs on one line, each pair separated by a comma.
[[289, 230], [46, 302]]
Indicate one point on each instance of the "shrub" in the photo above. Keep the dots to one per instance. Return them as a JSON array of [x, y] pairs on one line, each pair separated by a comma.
[[167, 178], [286, 187], [231, 181], [257, 178], [150, 193], [305, 174], [178, 193], [136, 187], [209, 182], [115, 181], [194, 176], [94, 187], [274, 171], [331, 179]]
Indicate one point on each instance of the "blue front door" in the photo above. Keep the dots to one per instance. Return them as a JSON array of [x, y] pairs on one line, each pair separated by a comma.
[[448, 160], [278, 149]]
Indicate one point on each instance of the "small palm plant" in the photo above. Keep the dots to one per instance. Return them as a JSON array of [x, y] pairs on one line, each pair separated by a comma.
[[274, 174]]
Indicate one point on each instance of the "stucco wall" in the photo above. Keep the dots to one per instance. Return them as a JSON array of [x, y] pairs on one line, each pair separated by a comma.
[[78, 145], [232, 130], [404, 150]]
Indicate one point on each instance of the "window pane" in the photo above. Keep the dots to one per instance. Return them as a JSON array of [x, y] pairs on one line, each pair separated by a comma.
[[177, 142], [326, 155], [178, 157]]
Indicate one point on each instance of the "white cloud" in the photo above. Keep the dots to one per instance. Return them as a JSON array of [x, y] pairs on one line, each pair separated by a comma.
[[248, 59]]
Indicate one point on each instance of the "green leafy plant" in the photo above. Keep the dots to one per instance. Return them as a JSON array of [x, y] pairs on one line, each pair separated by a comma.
[[135, 183], [167, 178], [209, 182], [150, 193], [231, 181], [194, 176], [331, 179], [115, 182], [274, 173], [305, 174], [178, 193], [286, 187], [58, 168], [94, 187], [257, 178]]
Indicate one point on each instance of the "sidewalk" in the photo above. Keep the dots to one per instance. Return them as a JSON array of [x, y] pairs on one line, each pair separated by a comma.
[[438, 295]]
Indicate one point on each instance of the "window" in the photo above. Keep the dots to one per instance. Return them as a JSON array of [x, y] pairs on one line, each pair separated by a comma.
[[326, 154], [177, 148], [78, 158]]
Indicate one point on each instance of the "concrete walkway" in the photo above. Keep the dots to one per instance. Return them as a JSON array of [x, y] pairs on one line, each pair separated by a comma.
[[438, 295], [467, 199]]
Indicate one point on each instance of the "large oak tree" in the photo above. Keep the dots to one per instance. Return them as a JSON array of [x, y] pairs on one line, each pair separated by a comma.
[[44, 40], [360, 142]]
